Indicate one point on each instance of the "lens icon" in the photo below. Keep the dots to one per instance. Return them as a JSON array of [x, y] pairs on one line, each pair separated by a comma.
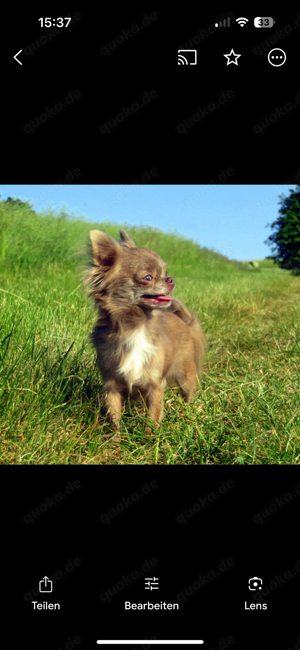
[[254, 584]]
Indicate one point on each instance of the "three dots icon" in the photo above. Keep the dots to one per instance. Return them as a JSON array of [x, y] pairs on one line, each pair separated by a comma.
[[277, 57]]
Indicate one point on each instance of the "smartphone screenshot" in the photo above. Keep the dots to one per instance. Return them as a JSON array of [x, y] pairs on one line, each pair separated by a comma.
[[150, 303]]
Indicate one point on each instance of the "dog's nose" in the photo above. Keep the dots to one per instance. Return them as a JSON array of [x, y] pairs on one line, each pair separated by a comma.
[[170, 281]]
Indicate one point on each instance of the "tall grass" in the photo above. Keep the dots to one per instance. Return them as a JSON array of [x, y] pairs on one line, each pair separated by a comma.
[[31, 241], [247, 410]]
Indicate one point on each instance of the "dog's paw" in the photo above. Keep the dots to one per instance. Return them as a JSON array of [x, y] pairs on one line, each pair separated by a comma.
[[152, 430]]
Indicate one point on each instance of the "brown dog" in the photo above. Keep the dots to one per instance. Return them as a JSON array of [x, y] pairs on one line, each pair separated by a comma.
[[145, 339]]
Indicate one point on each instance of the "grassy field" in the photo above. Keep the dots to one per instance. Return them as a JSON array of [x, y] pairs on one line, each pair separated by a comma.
[[247, 410]]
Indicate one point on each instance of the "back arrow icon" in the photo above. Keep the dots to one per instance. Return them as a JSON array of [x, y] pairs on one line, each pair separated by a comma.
[[15, 57]]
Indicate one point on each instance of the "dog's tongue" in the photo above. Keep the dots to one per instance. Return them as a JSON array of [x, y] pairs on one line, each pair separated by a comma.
[[157, 299], [163, 297]]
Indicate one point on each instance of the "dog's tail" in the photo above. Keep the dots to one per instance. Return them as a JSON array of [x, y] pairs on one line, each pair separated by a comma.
[[200, 343], [198, 337]]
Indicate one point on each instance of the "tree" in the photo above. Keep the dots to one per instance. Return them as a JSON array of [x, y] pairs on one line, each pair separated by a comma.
[[17, 202], [286, 238]]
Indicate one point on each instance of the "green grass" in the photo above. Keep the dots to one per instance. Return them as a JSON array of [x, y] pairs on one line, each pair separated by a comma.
[[247, 410]]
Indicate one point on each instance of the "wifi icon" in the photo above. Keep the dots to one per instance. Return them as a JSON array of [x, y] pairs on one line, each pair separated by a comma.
[[242, 21]]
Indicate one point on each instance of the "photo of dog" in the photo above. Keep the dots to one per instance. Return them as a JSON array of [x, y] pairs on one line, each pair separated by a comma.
[[145, 338]]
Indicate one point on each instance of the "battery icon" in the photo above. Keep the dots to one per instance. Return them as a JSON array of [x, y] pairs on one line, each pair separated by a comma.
[[264, 22]]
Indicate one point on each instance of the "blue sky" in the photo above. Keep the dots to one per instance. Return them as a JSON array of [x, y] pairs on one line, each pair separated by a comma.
[[230, 219]]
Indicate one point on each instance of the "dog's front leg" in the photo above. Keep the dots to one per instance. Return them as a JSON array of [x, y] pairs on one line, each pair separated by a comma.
[[113, 401], [154, 401]]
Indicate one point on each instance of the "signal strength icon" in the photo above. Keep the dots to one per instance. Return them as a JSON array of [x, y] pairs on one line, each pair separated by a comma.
[[223, 23], [242, 21]]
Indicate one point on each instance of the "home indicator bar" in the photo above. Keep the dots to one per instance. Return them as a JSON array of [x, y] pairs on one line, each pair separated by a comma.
[[149, 641]]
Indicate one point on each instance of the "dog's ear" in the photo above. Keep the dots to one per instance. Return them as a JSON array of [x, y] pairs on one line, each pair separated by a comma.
[[126, 240], [105, 249]]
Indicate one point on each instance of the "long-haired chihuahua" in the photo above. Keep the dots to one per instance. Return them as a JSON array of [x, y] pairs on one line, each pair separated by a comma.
[[145, 338]]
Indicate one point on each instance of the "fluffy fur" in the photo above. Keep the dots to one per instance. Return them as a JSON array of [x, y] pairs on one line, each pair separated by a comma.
[[144, 338]]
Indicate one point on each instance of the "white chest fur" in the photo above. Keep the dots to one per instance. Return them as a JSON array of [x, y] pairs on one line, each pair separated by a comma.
[[138, 354]]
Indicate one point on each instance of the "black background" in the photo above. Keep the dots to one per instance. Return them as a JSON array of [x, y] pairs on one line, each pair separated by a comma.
[[107, 62], [203, 531]]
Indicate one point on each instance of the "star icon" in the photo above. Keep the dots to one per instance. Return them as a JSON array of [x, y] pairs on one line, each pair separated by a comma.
[[232, 53]]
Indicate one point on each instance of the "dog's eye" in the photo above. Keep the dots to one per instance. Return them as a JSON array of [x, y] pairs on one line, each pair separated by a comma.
[[148, 277]]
